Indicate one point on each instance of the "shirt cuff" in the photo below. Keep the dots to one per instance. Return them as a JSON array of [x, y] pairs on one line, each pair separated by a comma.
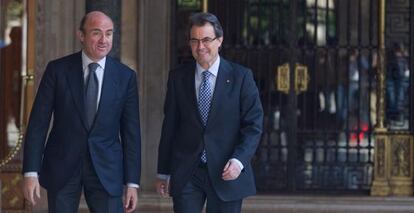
[[163, 176], [31, 174], [238, 163], [133, 185]]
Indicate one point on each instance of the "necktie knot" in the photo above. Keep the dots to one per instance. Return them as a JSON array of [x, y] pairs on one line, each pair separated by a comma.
[[92, 67], [206, 75]]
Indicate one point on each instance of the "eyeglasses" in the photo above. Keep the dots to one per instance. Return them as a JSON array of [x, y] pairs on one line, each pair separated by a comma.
[[204, 41]]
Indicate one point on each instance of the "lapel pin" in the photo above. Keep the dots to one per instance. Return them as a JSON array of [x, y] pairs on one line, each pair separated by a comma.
[[228, 81]]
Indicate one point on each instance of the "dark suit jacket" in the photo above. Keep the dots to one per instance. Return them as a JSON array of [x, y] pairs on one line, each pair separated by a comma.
[[113, 140], [233, 130]]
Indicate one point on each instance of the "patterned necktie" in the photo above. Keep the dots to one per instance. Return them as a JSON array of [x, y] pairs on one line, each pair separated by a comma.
[[91, 93], [205, 94]]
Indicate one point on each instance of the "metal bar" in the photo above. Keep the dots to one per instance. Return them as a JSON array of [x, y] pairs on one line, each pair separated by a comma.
[[272, 22], [283, 23], [305, 19], [327, 79], [239, 13], [411, 66], [371, 24], [360, 92], [248, 23], [327, 27], [381, 68], [315, 44], [228, 20], [260, 14], [371, 79], [205, 6], [339, 77], [292, 135], [346, 90], [315, 24]]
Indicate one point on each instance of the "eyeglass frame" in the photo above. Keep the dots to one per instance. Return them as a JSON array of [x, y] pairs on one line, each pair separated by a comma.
[[205, 41]]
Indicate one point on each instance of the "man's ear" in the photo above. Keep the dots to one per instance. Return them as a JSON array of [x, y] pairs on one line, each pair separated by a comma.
[[221, 39], [80, 35]]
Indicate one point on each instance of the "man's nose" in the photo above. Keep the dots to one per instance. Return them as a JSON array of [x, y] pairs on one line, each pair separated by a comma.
[[101, 38], [104, 38], [200, 44]]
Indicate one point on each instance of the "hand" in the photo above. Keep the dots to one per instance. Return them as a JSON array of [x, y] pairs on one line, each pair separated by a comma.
[[162, 187], [131, 199], [231, 171], [31, 189]]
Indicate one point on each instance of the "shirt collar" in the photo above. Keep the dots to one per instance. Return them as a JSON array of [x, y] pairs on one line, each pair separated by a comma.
[[86, 61], [213, 68]]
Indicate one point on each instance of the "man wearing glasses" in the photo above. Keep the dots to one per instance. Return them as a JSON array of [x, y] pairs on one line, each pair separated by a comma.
[[212, 126]]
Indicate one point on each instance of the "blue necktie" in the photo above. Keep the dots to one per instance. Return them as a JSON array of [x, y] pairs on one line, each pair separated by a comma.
[[91, 94], [205, 94]]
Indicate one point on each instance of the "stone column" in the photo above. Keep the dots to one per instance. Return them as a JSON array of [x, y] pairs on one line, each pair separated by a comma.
[[56, 26], [129, 32], [153, 65]]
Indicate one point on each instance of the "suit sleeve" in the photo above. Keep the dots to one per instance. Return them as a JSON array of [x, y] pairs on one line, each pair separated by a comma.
[[131, 134], [168, 128], [39, 121], [251, 122]]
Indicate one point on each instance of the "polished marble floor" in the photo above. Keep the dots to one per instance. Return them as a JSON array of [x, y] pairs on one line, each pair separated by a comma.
[[151, 203]]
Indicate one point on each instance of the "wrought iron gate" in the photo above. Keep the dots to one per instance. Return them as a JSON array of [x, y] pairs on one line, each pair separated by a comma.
[[314, 62]]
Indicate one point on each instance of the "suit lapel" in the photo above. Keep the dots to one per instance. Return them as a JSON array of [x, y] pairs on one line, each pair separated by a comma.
[[189, 84], [76, 83], [109, 88], [223, 84]]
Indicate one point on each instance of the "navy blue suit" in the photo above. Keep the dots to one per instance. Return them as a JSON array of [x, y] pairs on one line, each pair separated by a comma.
[[233, 129], [113, 141]]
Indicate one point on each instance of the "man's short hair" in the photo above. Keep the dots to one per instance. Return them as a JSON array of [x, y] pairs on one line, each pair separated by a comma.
[[200, 19], [85, 18], [82, 23]]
